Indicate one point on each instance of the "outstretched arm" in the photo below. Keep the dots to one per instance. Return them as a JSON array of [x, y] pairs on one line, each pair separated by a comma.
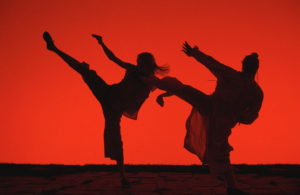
[[217, 68], [111, 55]]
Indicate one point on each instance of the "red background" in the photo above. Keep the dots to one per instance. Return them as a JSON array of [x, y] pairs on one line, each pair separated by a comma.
[[48, 115]]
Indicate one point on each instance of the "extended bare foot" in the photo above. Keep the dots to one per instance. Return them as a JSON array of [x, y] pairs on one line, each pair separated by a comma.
[[98, 37], [49, 41]]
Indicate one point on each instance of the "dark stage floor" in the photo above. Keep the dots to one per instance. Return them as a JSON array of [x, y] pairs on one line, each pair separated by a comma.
[[148, 180]]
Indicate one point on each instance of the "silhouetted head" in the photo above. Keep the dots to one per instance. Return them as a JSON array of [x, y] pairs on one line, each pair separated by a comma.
[[147, 65], [251, 64]]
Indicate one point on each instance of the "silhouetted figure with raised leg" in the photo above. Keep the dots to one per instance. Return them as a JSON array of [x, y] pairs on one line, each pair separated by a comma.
[[124, 98], [236, 99]]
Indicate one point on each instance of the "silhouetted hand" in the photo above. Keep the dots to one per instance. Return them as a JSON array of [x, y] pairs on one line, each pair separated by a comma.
[[188, 50], [160, 100], [98, 37]]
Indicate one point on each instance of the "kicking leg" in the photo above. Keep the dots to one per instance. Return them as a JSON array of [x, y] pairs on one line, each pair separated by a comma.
[[76, 65], [196, 98]]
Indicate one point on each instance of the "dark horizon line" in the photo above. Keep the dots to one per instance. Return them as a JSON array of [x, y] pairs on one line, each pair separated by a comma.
[[53, 170], [179, 165]]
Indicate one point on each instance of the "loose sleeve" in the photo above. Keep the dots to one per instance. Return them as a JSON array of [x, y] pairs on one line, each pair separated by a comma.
[[215, 67]]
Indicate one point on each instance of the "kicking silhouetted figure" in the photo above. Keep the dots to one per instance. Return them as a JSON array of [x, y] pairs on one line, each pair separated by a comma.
[[124, 98], [236, 99]]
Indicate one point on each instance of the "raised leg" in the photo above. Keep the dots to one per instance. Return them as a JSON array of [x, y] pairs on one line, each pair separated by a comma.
[[72, 62], [189, 94]]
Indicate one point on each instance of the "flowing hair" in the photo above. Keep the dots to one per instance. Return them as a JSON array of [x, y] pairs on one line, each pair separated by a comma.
[[148, 58]]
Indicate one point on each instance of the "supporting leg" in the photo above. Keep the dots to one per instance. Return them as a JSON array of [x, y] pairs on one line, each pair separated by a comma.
[[124, 179], [113, 142]]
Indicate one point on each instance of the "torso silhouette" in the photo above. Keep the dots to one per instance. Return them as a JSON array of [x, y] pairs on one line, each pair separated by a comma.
[[235, 94], [130, 93], [126, 96]]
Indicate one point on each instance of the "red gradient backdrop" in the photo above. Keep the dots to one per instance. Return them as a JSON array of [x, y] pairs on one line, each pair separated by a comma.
[[48, 114]]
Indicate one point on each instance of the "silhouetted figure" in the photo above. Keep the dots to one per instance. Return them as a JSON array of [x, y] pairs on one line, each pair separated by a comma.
[[236, 99], [124, 98]]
